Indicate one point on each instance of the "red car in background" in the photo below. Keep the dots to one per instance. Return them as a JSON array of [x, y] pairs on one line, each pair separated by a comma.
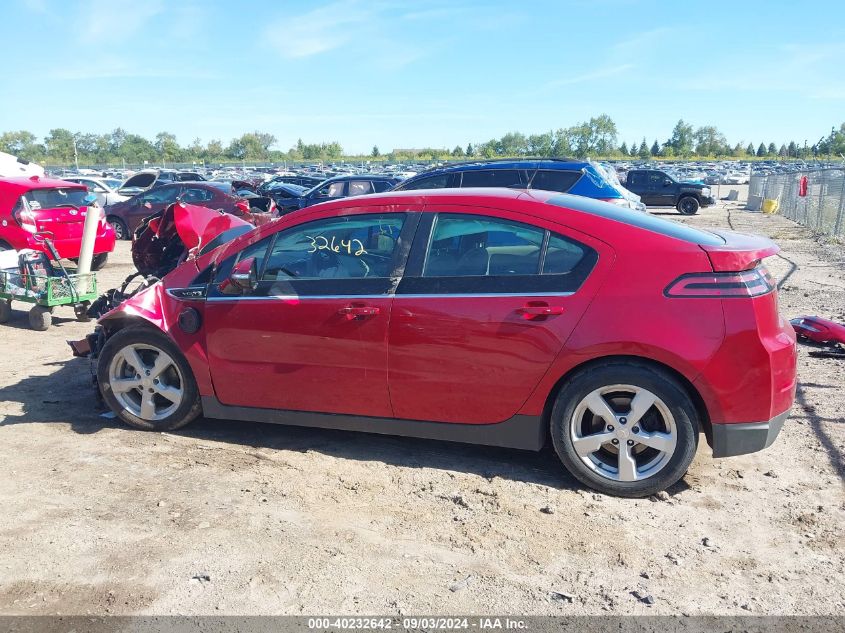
[[495, 317], [55, 208]]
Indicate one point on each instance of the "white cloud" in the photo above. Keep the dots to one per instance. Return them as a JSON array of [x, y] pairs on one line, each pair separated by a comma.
[[104, 20]]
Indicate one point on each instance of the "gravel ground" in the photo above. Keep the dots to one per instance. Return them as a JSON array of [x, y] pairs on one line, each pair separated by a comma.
[[237, 518]]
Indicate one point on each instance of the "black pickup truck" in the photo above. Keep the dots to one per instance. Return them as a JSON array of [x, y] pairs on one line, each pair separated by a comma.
[[659, 189]]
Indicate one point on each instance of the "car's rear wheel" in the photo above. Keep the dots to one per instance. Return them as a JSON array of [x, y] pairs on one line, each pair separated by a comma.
[[98, 261], [147, 381], [625, 429], [121, 232], [688, 205]]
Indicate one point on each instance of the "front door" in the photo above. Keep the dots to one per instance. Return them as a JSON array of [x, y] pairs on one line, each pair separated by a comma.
[[485, 306], [313, 335]]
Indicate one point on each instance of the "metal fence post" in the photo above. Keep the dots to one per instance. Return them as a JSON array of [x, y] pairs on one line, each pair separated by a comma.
[[838, 227]]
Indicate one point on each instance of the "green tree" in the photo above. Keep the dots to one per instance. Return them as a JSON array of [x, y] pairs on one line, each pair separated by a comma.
[[470, 150], [782, 151], [750, 149], [624, 148], [709, 141], [643, 152], [458, 151], [655, 148], [22, 144], [59, 144], [792, 150], [771, 150], [761, 151], [375, 153], [541, 144], [682, 139], [168, 147]]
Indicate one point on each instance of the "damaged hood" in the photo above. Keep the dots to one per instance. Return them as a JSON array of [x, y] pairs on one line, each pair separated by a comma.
[[199, 227]]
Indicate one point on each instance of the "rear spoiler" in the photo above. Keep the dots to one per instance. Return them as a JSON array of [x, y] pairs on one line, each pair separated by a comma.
[[739, 252]]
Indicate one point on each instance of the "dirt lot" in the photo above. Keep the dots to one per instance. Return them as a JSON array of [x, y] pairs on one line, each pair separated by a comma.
[[248, 518]]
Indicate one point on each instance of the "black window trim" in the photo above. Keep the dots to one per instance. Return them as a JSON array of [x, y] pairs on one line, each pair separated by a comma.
[[413, 283], [352, 287]]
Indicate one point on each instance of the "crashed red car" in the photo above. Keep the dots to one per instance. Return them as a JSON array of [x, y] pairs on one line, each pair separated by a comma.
[[494, 317], [33, 207]]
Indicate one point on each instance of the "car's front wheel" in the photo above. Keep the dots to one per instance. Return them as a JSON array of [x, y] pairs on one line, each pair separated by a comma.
[[146, 380], [625, 429], [688, 205]]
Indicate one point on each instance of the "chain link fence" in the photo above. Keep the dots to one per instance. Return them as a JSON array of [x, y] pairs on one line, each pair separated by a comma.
[[813, 198]]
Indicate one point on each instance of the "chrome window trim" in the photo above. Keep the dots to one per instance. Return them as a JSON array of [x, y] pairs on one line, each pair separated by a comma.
[[394, 296]]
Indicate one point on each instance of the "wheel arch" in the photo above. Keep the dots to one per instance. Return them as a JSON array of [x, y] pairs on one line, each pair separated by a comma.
[[686, 384]]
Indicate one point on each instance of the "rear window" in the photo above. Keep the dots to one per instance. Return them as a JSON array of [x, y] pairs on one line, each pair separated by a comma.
[[53, 198], [638, 219], [440, 181]]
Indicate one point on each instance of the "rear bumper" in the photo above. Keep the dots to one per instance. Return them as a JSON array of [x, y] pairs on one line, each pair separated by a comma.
[[748, 437], [68, 248]]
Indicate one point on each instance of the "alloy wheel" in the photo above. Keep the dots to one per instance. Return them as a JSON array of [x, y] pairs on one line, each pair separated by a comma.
[[623, 432], [146, 381]]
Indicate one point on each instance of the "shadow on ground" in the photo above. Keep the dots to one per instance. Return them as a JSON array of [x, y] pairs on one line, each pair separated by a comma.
[[67, 397]]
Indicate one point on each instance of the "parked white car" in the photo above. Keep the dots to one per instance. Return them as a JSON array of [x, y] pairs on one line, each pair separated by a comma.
[[104, 188]]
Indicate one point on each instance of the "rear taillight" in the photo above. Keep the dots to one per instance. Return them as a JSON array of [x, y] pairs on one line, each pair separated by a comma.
[[747, 283], [26, 219]]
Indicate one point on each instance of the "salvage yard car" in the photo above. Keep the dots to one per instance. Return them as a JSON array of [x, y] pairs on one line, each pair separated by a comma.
[[34, 207], [564, 175], [656, 188], [489, 316]]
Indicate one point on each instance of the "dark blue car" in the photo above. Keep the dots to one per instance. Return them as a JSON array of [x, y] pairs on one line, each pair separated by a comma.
[[577, 177], [345, 186]]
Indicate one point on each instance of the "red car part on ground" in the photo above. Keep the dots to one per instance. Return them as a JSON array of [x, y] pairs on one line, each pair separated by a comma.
[[819, 330], [29, 206], [483, 316]]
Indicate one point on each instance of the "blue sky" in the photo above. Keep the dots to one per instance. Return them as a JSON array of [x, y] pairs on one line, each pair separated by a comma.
[[429, 73]]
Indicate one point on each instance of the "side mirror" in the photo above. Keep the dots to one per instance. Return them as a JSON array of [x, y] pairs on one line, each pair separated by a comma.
[[89, 199], [242, 279], [667, 182]]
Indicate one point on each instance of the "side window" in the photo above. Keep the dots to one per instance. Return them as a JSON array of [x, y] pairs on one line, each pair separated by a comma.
[[381, 185], [257, 250], [636, 178], [331, 190], [492, 178], [655, 179], [355, 246], [555, 180], [195, 194], [475, 245], [360, 187], [161, 195], [432, 182], [563, 255]]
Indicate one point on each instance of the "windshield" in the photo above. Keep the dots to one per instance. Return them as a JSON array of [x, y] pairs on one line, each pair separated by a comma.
[[53, 198], [111, 183]]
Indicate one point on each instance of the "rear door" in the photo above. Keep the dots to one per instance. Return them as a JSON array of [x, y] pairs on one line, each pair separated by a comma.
[[486, 304], [661, 193]]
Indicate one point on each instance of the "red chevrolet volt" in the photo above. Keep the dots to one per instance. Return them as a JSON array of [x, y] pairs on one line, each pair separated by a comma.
[[493, 317]]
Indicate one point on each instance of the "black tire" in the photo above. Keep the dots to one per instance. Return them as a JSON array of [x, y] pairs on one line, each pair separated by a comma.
[[190, 406], [121, 231], [98, 261], [5, 310], [40, 318], [688, 205], [660, 384]]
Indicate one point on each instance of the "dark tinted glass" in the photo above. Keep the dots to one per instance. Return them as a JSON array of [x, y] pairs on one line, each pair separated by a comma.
[[562, 255], [431, 182], [338, 248], [464, 245], [549, 180], [492, 178]]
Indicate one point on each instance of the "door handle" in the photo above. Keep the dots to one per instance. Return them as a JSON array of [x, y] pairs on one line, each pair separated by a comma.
[[358, 312], [532, 310]]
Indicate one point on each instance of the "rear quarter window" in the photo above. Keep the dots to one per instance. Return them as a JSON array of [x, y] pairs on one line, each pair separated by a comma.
[[551, 180]]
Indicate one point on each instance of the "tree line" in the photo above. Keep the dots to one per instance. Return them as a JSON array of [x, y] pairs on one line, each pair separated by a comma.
[[597, 138]]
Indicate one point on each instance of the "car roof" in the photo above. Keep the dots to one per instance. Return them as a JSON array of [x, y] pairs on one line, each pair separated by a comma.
[[569, 164], [28, 183], [360, 177]]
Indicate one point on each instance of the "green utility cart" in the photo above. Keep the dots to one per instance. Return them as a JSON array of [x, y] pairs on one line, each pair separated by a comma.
[[45, 293]]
